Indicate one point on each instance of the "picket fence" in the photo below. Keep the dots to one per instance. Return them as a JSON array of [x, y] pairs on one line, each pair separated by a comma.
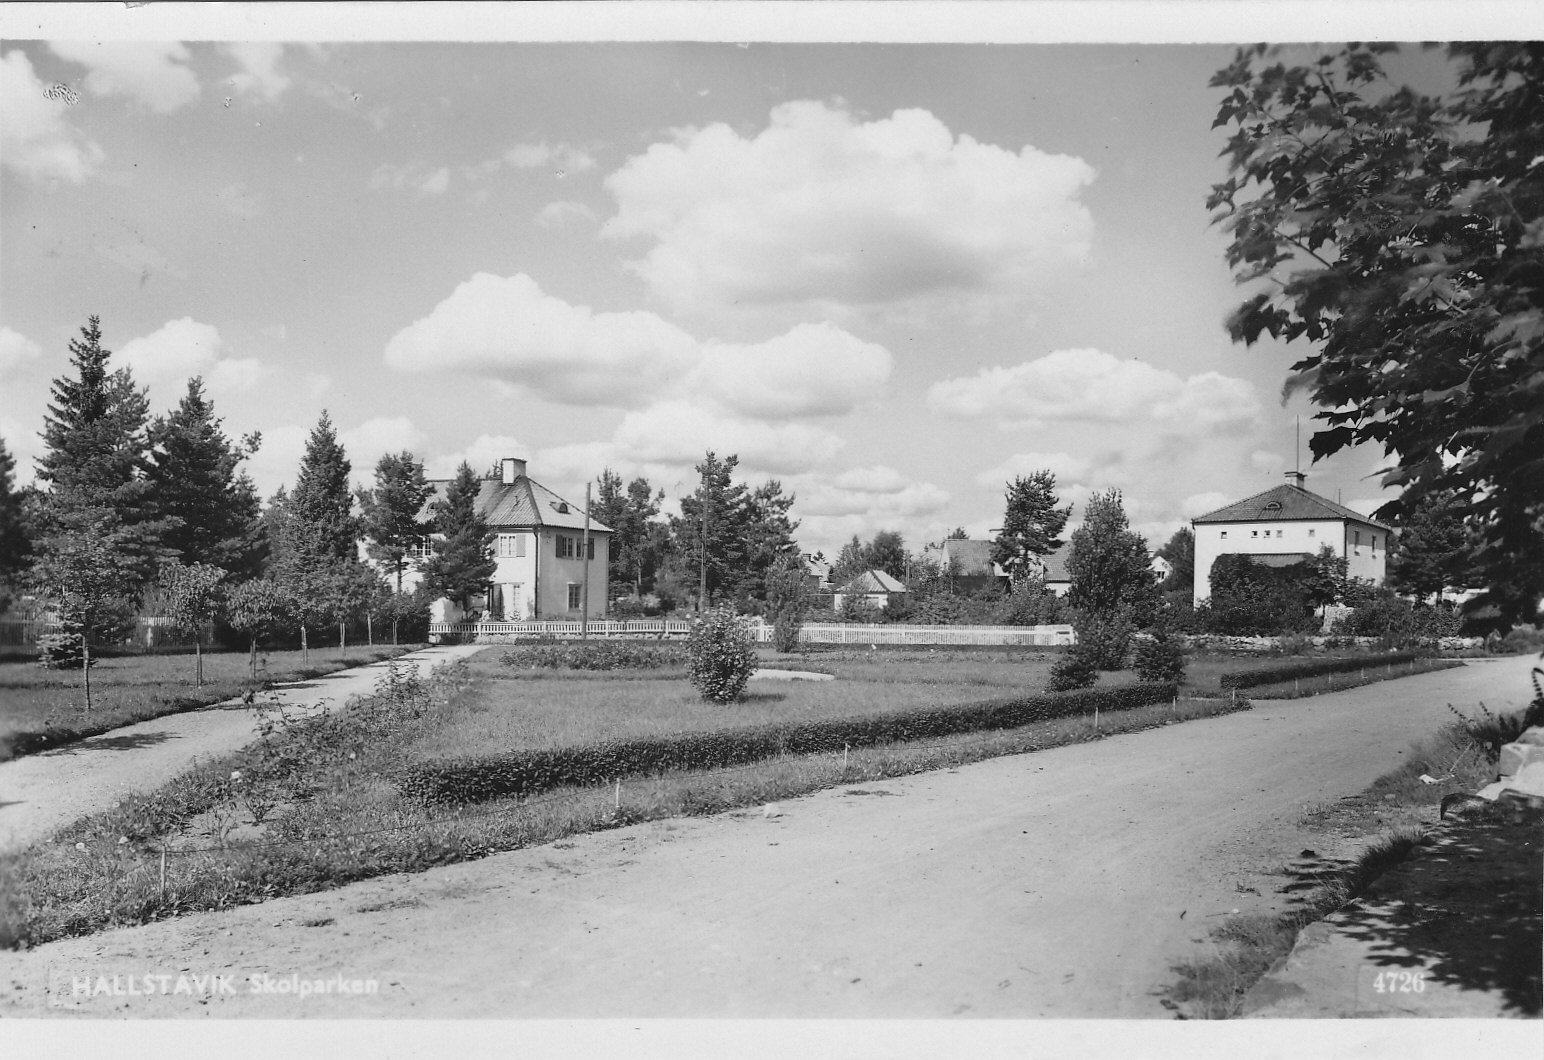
[[813, 633]]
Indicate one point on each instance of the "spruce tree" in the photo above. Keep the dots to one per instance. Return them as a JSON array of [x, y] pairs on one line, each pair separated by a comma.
[[463, 559], [1112, 589], [95, 461], [196, 478], [391, 512], [322, 499], [710, 532], [15, 534]]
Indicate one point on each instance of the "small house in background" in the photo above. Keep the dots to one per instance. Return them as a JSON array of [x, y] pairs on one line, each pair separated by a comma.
[[1286, 525], [538, 544], [874, 587], [966, 564], [817, 574], [1053, 568]]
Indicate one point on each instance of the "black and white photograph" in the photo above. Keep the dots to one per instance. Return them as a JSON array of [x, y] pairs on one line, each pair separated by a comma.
[[771, 528]]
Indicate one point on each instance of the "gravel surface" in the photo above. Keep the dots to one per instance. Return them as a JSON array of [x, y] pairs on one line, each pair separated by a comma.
[[1065, 883]]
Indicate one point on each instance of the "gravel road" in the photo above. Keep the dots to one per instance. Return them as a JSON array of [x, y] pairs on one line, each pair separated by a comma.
[[1059, 884]]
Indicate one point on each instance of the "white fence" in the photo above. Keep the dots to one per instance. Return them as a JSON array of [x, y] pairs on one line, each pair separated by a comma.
[[814, 633]]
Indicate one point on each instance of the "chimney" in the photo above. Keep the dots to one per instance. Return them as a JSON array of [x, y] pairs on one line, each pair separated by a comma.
[[512, 469], [1297, 478]]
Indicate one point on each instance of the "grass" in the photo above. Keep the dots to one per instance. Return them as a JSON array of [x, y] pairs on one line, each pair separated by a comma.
[[41, 708], [337, 816], [1395, 809]]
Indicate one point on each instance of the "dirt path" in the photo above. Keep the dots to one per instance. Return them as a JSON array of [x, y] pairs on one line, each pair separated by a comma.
[[1063, 883], [41, 792]]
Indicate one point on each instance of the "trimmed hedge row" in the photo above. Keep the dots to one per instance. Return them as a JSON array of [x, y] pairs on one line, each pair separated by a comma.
[[518, 773], [594, 655], [1270, 675]]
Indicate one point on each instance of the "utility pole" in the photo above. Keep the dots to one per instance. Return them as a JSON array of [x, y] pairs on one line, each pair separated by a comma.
[[584, 604]]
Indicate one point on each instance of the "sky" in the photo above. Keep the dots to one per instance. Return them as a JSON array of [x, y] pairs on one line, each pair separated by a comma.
[[889, 275]]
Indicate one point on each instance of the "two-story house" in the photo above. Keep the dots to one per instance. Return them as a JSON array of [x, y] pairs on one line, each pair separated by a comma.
[[538, 546], [1288, 524]]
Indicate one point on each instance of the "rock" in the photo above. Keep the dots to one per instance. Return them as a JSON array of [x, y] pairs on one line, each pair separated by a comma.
[[771, 810], [1528, 781], [1515, 757]]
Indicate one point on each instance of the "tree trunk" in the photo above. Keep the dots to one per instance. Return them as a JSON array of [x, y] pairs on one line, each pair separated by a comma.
[[198, 657], [393, 630], [370, 629], [85, 666], [342, 639], [305, 650], [254, 658]]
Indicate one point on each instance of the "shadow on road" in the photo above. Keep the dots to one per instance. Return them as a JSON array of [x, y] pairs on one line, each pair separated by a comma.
[[127, 742], [1467, 908]]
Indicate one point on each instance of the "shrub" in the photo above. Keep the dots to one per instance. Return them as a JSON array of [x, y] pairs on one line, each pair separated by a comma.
[[529, 772], [62, 647], [594, 655], [1074, 668], [719, 656], [1270, 675], [1105, 638], [1159, 659]]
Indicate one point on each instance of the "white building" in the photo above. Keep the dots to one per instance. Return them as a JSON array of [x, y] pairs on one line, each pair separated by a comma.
[[538, 546], [1287, 524]]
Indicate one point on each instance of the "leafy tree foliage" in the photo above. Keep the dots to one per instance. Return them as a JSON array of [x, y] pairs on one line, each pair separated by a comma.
[[1252, 599], [1180, 552], [709, 535], [886, 551], [769, 535], [720, 659], [1432, 549], [1032, 523], [193, 601], [15, 533], [1032, 604], [1112, 588], [788, 601], [1160, 659], [463, 559], [1076, 667], [390, 513], [1401, 235], [196, 480], [258, 610]]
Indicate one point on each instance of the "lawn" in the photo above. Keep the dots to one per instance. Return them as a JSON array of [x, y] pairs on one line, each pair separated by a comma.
[[42, 708]]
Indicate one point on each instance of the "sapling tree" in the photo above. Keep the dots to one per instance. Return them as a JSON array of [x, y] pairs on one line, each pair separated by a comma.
[[719, 654], [258, 610], [193, 601]]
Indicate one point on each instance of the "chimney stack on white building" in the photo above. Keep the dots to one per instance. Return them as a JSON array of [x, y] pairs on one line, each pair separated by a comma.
[[512, 469]]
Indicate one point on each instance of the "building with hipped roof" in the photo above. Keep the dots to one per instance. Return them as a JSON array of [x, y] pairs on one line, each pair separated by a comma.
[[538, 546], [1288, 524]]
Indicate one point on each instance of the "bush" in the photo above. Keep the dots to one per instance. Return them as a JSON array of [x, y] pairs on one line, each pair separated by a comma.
[[1270, 675], [1105, 638], [62, 647], [719, 656], [1159, 659], [594, 655], [1075, 668], [530, 772]]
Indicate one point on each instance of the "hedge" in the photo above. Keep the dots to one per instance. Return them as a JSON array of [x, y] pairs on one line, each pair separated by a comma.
[[1270, 675], [528, 772], [594, 655]]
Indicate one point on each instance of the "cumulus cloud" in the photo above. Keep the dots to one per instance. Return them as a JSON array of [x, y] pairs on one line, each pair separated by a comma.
[[562, 213], [1095, 387], [180, 349], [1200, 503], [823, 209], [482, 454], [372, 439], [36, 141], [1262, 460], [15, 350], [259, 71], [678, 433], [563, 157], [277, 460], [813, 370], [415, 177], [152, 73], [1067, 468], [508, 329]]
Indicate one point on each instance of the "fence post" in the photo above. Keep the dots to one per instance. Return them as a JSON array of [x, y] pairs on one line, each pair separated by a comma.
[[163, 870], [616, 802]]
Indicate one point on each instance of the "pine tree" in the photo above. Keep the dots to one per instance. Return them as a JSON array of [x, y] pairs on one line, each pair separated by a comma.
[[769, 538], [1031, 524], [1433, 549], [391, 519], [629, 512], [195, 478], [463, 559], [709, 534]]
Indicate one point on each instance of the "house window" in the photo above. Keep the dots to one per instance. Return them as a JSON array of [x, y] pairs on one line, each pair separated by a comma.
[[1278, 533], [421, 548], [573, 596], [511, 545], [1358, 534], [1312, 531], [1224, 533], [1254, 533], [565, 546]]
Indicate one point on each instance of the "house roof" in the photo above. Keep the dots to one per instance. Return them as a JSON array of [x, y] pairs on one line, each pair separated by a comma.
[[969, 558], [1056, 565], [1285, 503], [873, 581], [521, 503]]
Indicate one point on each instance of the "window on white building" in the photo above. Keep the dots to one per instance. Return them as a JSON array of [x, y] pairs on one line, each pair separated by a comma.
[[1225, 533], [573, 596], [510, 545]]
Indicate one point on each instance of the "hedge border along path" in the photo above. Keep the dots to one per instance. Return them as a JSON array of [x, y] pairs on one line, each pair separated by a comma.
[[460, 781], [1271, 675]]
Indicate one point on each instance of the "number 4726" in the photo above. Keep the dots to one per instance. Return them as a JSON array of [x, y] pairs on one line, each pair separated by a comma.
[[1399, 982]]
